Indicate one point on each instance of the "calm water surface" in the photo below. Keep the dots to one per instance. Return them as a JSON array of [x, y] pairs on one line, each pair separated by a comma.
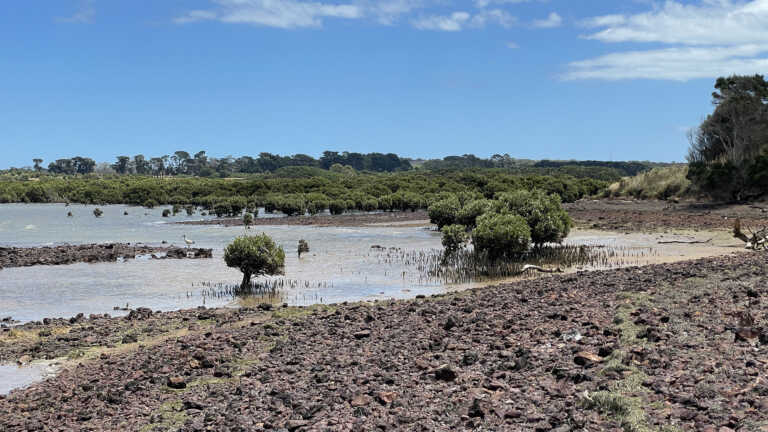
[[341, 265]]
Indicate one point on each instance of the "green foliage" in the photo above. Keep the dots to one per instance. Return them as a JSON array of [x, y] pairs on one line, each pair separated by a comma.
[[337, 207], [468, 214], [444, 212], [454, 237], [247, 220], [544, 214], [97, 212], [409, 190], [727, 152], [166, 212], [255, 256], [501, 234]]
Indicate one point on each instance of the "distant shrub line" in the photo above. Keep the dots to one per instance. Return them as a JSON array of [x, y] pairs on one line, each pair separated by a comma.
[[312, 194]]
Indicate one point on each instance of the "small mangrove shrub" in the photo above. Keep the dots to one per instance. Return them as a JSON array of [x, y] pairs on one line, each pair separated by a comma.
[[247, 220], [166, 212], [444, 212], [544, 214], [454, 238], [255, 256], [500, 234], [97, 212]]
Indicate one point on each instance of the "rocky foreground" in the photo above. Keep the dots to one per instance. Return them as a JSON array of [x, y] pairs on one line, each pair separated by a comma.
[[92, 253], [666, 347]]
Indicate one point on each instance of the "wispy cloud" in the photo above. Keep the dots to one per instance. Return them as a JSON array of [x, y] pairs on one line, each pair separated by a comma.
[[290, 14], [273, 13], [84, 14], [461, 20], [551, 21], [704, 40]]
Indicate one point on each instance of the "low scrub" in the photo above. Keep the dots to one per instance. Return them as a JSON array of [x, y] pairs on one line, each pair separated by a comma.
[[659, 183]]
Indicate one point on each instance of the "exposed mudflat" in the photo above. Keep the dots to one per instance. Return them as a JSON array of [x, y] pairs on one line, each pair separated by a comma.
[[344, 220], [91, 253], [681, 345], [622, 215]]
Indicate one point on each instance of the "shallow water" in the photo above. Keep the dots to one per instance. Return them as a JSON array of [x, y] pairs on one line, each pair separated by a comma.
[[13, 376], [340, 266]]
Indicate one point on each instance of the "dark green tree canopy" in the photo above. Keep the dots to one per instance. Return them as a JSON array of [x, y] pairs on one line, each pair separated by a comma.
[[255, 256], [728, 147]]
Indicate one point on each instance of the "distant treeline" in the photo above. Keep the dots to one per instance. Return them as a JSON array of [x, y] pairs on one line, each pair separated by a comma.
[[602, 170], [626, 169], [201, 165], [292, 190]]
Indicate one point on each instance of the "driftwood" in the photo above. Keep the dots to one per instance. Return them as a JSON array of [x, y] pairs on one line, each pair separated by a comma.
[[685, 241], [539, 269], [756, 240]]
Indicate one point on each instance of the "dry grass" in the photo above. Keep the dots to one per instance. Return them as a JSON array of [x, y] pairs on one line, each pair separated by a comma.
[[659, 183]]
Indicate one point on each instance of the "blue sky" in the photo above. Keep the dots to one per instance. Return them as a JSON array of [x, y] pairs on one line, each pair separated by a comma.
[[593, 79]]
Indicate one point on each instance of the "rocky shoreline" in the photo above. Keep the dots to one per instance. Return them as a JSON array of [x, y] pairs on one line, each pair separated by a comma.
[[679, 346], [92, 253]]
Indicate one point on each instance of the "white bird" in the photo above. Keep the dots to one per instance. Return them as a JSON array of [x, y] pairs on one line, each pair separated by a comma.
[[188, 241]]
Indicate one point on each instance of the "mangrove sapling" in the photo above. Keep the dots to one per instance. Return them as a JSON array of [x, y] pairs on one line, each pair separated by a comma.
[[190, 210], [454, 238], [255, 256], [247, 220], [166, 213], [303, 247], [97, 212]]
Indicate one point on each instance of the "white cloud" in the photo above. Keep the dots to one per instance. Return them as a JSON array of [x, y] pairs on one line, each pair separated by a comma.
[[706, 39], [553, 20], [460, 20], [387, 12], [486, 3], [512, 45], [678, 64], [452, 22], [712, 22], [84, 14], [306, 13], [273, 13]]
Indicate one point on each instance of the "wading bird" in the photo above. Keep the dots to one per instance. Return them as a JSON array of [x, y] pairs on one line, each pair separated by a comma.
[[188, 241]]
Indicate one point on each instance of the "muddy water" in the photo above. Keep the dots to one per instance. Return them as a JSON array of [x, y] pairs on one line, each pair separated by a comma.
[[340, 266]]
